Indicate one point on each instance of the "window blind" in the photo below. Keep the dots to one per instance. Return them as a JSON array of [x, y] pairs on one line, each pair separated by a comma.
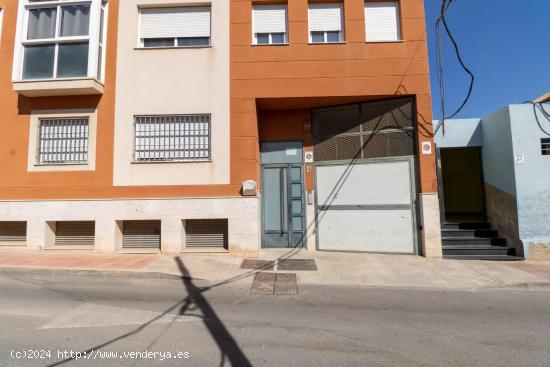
[[325, 17], [382, 21], [270, 18], [175, 22]]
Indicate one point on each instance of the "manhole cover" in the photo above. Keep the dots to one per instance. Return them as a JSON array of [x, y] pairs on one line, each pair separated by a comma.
[[257, 264], [297, 265], [274, 284]]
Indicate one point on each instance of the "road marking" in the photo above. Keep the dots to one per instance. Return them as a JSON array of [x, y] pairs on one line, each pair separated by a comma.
[[96, 315]]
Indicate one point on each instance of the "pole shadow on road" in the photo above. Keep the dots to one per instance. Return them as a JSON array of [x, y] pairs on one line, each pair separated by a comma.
[[229, 349]]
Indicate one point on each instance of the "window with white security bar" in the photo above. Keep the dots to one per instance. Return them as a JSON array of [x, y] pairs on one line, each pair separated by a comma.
[[270, 24], [172, 138], [61, 39], [325, 23], [382, 23], [63, 141], [175, 27]]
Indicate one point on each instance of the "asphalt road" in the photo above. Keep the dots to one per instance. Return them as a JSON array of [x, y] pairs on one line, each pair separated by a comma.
[[105, 320]]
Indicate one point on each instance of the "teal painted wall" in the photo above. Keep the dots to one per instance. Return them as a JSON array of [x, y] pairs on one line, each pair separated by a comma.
[[532, 178]]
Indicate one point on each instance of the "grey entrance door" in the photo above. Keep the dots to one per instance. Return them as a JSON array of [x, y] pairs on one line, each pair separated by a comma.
[[283, 206]]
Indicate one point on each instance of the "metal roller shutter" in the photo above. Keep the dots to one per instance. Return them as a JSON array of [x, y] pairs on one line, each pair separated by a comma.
[[13, 233], [206, 233], [141, 234], [74, 233], [270, 18]]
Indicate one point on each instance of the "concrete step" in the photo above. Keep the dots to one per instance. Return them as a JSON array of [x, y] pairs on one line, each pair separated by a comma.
[[484, 257], [473, 241], [477, 250], [472, 225], [472, 233]]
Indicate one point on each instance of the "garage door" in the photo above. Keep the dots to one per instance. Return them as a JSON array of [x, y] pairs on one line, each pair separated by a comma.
[[366, 207]]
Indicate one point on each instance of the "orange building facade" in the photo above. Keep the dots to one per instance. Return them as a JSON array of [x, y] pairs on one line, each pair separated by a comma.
[[230, 135]]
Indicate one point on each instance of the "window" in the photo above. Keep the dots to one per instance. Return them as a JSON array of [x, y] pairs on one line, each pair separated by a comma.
[[180, 138], [174, 27], [545, 146], [61, 39], [270, 24], [382, 21], [63, 141], [325, 23]]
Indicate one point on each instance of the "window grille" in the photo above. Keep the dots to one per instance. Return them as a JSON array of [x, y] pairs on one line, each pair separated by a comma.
[[545, 146], [63, 141], [376, 129], [180, 138]]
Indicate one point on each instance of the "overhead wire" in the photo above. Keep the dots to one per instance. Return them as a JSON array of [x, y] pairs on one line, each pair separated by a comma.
[[440, 70]]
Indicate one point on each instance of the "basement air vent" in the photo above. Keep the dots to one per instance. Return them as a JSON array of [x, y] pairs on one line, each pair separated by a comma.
[[75, 234], [206, 233], [141, 234], [13, 233], [545, 146]]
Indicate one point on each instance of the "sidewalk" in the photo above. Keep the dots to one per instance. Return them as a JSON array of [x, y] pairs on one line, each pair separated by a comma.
[[352, 269]]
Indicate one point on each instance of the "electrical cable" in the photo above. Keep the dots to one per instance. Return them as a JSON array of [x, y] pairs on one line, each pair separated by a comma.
[[545, 114], [441, 75]]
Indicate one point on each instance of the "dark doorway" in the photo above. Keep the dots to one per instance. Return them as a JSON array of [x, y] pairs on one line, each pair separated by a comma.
[[463, 184]]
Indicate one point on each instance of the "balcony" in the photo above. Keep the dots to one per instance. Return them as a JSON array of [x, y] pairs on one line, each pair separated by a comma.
[[60, 48]]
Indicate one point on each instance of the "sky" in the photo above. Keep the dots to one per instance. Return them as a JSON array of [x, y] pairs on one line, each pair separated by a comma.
[[506, 44]]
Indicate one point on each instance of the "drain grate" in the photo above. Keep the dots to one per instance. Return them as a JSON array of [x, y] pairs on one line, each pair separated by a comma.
[[274, 284], [257, 264], [285, 285], [263, 284], [297, 265]]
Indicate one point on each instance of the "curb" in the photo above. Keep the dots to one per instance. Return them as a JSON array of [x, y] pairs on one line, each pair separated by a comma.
[[91, 273], [522, 286], [156, 275]]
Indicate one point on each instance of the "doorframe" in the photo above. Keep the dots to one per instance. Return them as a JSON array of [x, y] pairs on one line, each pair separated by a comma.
[[413, 194]]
